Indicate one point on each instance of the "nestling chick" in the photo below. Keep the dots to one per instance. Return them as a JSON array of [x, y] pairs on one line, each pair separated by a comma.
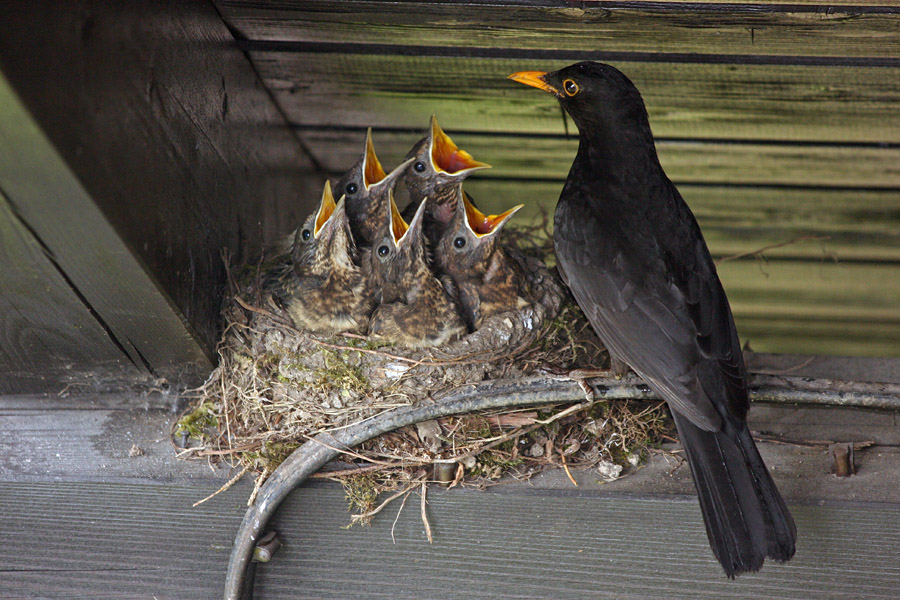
[[486, 279], [371, 207], [354, 185], [414, 310], [437, 169], [324, 291]]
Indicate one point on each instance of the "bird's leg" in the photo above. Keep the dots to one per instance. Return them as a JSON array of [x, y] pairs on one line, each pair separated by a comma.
[[618, 367]]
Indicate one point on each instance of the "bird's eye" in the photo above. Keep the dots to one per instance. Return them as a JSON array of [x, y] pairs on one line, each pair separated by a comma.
[[383, 251], [460, 242], [419, 166], [570, 86], [351, 188], [305, 234]]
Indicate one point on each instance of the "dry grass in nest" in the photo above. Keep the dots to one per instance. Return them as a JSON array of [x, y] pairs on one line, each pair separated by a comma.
[[275, 387]]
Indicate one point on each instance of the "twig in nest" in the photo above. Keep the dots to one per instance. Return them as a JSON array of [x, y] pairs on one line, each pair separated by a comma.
[[562, 456], [425, 516], [397, 518], [230, 483], [381, 506], [258, 484]]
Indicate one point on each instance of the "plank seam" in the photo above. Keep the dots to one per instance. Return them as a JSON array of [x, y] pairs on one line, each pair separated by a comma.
[[48, 253], [335, 128], [297, 47]]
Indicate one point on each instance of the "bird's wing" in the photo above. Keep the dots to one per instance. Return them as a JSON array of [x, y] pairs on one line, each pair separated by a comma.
[[675, 332]]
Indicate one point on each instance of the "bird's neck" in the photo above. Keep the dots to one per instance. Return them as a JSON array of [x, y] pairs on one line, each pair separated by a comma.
[[622, 154]]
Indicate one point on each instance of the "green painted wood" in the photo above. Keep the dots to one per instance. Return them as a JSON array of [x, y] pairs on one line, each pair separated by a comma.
[[720, 101], [859, 225], [695, 161], [757, 28]]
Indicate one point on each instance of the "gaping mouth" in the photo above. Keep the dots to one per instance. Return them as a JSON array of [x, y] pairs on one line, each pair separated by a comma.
[[373, 172], [326, 209], [482, 224], [398, 225], [446, 156], [535, 79]]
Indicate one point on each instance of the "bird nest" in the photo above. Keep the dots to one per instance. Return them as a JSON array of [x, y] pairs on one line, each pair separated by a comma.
[[275, 387]]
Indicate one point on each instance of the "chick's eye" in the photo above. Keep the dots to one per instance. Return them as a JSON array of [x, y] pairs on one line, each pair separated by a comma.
[[570, 86], [383, 251], [419, 166], [351, 188], [305, 234], [460, 242]]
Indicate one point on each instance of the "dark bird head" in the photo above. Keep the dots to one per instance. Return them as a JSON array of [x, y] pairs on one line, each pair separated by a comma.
[[324, 243], [372, 209], [465, 248], [355, 184], [398, 259], [438, 166], [602, 101]]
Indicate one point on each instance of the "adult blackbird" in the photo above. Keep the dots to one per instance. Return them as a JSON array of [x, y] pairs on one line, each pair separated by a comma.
[[475, 265], [632, 253], [413, 308], [355, 184], [438, 167], [323, 289]]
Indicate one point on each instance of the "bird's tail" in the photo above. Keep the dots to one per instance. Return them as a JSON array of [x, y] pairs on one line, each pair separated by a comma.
[[746, 518]]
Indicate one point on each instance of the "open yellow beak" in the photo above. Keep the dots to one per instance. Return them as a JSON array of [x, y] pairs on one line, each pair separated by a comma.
[[398, 225], [326, 208], [482, 224], [446, 156], [373, 172], [534, 79]]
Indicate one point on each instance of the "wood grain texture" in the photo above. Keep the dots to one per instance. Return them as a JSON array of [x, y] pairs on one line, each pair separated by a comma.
[[169, 131], [43, 321], [761, 28], [116, 540], [726, 162], [718, 101]]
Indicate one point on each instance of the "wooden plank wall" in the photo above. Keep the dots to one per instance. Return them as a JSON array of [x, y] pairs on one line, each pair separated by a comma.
[[136, 143], [776, 120]]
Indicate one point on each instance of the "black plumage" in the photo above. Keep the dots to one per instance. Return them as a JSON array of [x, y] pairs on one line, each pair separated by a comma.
[[633, 255]]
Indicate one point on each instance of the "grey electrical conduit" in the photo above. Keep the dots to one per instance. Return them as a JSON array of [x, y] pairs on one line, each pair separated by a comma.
[[534, 391]]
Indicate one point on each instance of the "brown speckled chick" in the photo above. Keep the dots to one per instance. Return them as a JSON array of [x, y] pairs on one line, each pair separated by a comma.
[[355, 184], [324, 291], [487, 281], [438, 167], [372, 207], [414, 310]]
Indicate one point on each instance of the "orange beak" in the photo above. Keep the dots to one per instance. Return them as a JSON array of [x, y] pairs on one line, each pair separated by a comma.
[[326, 208], [373, 172], [535, 79], [482, 224], [446, 156], [398, 225]]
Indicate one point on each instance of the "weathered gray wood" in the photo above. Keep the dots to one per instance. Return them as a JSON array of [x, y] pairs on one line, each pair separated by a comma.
[[684, 100], [166, 129], [528, 157], [43, 321], [760, 28], [103, 540]]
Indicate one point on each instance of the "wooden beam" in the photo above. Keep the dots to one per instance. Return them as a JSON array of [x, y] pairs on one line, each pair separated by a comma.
[[759, 28], [350, 87], [138, 143]]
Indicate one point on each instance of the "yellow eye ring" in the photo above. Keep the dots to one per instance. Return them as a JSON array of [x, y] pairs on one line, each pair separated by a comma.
[[570, 87]]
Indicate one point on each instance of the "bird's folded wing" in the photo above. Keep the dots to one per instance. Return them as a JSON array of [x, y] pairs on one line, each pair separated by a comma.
[[678, 336]]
